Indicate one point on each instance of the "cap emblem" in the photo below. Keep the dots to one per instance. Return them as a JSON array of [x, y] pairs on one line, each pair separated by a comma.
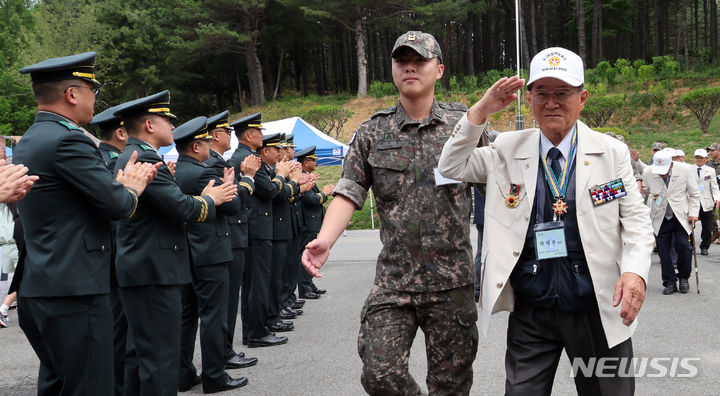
[[554, 61], [411, 37]]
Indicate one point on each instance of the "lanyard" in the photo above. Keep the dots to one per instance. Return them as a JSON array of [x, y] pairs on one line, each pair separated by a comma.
[[558, 185]]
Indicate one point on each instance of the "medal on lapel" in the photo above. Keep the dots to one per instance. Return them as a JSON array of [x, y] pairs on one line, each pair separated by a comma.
[[512, 200]]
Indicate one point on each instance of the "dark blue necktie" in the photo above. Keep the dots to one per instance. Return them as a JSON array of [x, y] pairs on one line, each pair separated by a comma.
[[554, 155]]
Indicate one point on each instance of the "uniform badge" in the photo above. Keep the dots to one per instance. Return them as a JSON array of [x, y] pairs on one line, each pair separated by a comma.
[[607, 192], [512, 200]]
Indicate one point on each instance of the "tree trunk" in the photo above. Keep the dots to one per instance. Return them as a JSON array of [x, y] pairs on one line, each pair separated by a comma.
[[279, 73], [239, 88], [683, 30], [543, 23], [525, 51], [469, 53], [255, 77], [533, 29], [580, 14], [361, 57], [697, 25], [659, 48], [597, 52], [713, 32]]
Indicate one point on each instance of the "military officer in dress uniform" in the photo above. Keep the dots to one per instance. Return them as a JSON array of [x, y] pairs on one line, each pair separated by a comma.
[[237, 222], [153, 256], [255, 299], [113, 139], [210, 256], [64, 294], [313, 213]]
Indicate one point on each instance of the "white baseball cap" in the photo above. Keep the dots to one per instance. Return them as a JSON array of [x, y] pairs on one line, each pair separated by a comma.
[[661, 162], [557, 62], [679, 153], [701, 153]]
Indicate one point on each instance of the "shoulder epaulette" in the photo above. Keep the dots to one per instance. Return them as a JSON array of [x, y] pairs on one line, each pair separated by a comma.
[[146, 147], [455, 106], [387, 111], [68, 125]]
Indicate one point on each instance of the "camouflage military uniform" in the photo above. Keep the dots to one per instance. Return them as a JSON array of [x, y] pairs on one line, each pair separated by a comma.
[[424, 273], [715, 234]]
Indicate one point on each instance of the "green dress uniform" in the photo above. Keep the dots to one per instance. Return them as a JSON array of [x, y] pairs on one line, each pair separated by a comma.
[[312, 213], [238, 226], [259, 259], [110, 154], [64, 293], [210, 255], [152, 263]]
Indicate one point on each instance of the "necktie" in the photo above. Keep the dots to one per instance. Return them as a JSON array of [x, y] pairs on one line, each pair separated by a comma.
[[699, 172], [554, 155]]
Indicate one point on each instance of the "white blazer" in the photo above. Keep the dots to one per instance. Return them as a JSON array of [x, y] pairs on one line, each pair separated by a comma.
[[616, 236], [708, 185], [681, 193]]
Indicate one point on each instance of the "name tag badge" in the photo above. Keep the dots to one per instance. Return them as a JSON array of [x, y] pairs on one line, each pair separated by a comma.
[[607, 192], [659, 200], [550, 240], [701, 187]]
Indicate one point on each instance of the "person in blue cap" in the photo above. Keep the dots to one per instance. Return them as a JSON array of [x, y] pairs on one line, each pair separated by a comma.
[[210, 256], [64, 297], [256, 280], [219, 129], [153, 255]]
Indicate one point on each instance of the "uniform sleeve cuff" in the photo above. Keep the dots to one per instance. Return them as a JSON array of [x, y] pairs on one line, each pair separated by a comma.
[[351, 190]]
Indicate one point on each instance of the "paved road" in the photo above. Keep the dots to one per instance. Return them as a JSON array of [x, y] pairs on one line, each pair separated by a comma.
[[321, 357]]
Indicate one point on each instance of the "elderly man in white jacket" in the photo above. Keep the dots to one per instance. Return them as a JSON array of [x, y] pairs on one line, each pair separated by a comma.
[[568, 239]]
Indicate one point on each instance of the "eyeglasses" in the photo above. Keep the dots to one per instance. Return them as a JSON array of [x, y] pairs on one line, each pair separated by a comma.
[[95, 91], [561, 96]]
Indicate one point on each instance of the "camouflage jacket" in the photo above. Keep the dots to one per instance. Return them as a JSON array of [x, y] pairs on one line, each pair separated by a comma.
[[424, 228], [715, 165]]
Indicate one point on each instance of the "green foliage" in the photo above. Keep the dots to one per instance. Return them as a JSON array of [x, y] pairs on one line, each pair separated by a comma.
[[640, 100], [469, 84], [17, 105], [599, 109], [598, 89], [628, 73], [620, 63], [453, 84], [703, 103], [489, 78], [638, 62], [328, 118], [592, 77], [657, 92], [379, 89], [615, 130], [606, 72], [646, 73]]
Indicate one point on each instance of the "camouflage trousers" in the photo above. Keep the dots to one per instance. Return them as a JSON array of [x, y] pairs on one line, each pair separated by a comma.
[[389, 322]]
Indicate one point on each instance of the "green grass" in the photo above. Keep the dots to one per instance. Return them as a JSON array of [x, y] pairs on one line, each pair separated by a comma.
[[361, 218], [295, 105]]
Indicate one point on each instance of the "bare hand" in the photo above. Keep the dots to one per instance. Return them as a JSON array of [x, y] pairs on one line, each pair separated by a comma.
[[634, 154], [172, 165], [283, 169], [327, 190], [315, 254], [692, 220], [137, 175], [220, 194], [630, 289], [14, 182], [250, 165], [305, 187], [496, 98], [228, 175]]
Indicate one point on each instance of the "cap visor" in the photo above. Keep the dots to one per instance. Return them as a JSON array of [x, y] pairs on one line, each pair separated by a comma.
[[559, 76]]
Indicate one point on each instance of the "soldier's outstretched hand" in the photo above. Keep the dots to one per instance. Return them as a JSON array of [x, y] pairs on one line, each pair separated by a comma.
[[315, 254]]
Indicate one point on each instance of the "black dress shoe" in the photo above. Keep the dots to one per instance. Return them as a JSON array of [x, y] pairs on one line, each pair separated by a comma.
[[299, 302], [240, 354], [287, 322], [184, 386], [238, 362], [230, 383], [684, 286], [319, 291], [703, 252], [296, 312], [268, 340], [281, 327], [310, 296], [285, 314], [670, 289]]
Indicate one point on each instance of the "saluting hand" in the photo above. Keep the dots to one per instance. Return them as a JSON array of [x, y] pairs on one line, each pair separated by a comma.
[[496, 98], [220, 194], [315, 254], [630, 289]]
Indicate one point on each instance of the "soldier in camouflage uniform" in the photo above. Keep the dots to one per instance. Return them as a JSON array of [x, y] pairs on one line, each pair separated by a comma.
[[714, 162], [424, 274]]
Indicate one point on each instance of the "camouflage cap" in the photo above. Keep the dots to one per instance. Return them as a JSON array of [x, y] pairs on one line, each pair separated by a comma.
[[714, 146], [422, 43], [657, 146]]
